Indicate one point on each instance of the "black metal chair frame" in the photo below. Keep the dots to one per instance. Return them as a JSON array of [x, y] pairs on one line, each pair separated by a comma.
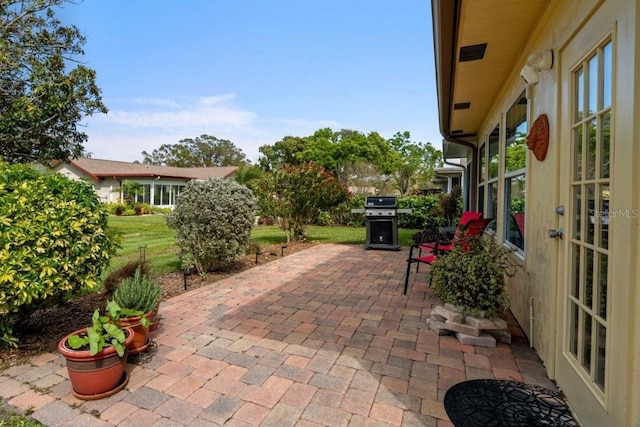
[[472, 229]]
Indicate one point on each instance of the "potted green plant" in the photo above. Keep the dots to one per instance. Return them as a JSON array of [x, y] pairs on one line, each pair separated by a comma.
[[472, 276], [139, 297], [96, 356]]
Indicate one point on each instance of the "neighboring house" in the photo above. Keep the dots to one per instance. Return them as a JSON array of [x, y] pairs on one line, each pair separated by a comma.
[[448, 177], [570, 213], [160, 184]]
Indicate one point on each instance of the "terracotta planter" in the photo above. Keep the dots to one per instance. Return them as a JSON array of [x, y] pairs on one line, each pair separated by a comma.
[[154, 318], [94, 377], [141, 337]]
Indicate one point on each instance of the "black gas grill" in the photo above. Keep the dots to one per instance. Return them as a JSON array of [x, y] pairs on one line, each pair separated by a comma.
[[381, 215]]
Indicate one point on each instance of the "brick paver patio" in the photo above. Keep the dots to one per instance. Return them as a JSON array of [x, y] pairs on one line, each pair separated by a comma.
[[322, 337]]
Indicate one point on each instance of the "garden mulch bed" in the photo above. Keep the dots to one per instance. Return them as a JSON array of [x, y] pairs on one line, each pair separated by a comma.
[[44, 328]]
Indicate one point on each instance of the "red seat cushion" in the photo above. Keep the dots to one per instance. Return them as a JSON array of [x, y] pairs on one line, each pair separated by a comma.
[[427, 259]]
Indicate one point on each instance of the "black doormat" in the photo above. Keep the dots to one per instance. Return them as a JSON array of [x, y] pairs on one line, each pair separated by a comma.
[[500, 403]]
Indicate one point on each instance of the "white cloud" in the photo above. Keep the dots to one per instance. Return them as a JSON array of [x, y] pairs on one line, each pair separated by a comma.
[[190, 118], [138, 125], [214, 100], [157, 102], [212, 112]]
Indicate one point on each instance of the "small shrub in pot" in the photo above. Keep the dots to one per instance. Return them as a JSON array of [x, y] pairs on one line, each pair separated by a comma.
[[472, 276], [139, 292], [139, 297]]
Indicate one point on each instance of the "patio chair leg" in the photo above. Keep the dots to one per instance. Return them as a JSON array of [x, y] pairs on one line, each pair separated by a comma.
[[406, 277]]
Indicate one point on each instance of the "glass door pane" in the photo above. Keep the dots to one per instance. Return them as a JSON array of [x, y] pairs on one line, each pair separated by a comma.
[[588, 283]]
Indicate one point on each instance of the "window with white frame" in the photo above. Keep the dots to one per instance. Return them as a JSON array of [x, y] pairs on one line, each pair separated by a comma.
[[515, 153], [166, 194], [482, 163], [143, 194], [493, 165]]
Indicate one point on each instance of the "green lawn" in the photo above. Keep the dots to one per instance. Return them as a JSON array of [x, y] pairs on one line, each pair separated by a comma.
[[160, 250], [150, 231]]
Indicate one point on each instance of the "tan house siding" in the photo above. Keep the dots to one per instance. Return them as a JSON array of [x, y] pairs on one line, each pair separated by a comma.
[[536, 290]]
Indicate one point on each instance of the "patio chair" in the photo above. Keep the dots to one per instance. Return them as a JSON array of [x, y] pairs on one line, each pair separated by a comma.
[[442, 244], [473, 228]]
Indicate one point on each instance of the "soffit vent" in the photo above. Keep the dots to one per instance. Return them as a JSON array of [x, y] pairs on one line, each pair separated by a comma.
[[457, 132], [462, 106], [472, 53]]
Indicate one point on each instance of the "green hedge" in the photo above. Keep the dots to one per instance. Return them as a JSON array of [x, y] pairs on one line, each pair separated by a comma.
[[426, 212]]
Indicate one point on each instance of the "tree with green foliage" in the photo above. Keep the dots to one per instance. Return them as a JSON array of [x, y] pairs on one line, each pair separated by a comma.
[[203, 151], [284, 152], [213, 221], [248, 175], [412, 162], [341, 152], [516, 153], [54, 242], [294, 194], [358, 159], [41, 99], [130, 189]]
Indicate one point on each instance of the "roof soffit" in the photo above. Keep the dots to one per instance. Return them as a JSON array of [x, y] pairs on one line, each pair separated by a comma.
[[505, 25]]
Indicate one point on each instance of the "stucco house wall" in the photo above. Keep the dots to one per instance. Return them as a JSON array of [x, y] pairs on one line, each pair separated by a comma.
[[104, 189], [161, 184], [534, 289]]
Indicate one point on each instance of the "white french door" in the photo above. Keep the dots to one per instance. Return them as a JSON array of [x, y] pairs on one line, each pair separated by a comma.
[[584, 348]]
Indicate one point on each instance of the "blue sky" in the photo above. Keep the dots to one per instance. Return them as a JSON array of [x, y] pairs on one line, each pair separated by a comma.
[[254, 71]]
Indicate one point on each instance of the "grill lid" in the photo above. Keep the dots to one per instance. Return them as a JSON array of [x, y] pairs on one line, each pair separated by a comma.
[[381, 202]]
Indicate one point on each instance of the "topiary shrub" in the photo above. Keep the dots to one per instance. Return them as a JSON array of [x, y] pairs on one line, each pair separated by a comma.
[[53, 242], [213, 221]]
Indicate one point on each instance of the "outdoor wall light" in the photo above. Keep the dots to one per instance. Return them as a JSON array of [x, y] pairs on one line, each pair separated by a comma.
[[539, 61]]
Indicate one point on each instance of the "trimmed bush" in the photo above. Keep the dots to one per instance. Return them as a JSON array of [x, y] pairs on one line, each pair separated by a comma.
[[213, 221], [116, 208], [53, 241], [425, 215]]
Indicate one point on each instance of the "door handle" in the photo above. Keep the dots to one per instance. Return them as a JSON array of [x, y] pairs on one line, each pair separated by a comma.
[[556, 234]]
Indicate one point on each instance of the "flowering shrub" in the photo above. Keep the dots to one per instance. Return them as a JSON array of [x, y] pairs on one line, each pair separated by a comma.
[[53, 241], [213, 221], [295, 194]]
